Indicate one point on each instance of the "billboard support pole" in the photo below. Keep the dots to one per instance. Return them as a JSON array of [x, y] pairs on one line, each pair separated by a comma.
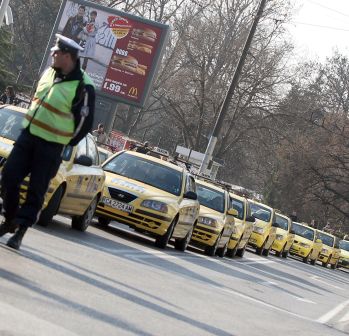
[[112, 121]]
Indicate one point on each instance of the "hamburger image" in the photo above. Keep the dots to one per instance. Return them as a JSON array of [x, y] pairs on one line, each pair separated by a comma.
[[145, 34], [134, 45], [128, 63]]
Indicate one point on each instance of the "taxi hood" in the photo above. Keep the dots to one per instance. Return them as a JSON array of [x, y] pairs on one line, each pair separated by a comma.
[[281, 231], [138, 188], [260, 223]]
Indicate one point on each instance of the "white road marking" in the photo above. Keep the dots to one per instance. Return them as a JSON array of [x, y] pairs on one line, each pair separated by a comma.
[[332, 313], [315, 277], [345, 318]]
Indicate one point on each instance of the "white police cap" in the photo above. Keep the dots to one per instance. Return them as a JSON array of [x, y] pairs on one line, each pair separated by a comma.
[[66, 44]]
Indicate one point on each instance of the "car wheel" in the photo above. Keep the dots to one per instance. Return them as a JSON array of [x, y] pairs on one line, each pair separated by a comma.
[[103, 221], [306, 259], [222, 250], [266, 251], [312, 262], [52, 207], [240, 252], [162, 241], [285, 254], [279, 254], [334, 266], [211, 250], [259, 250], [231, 253], [181, 244], [324, 264], [81, 223]]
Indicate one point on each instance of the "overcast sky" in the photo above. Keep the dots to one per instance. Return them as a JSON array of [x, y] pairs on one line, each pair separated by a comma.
[[319, 26]]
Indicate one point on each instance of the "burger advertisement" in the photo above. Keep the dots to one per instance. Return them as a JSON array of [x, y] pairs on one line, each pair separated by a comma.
[[122, 52], [132, 58]]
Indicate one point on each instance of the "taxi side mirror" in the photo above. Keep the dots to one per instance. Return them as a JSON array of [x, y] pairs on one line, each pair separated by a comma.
[[191, 195], [250, 219], [233, 212], [318, 241], [83, 160]]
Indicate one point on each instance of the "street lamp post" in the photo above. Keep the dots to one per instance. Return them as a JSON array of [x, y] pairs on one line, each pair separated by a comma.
[[224, 109]]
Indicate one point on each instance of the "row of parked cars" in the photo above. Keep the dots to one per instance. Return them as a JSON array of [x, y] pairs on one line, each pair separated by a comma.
[[163, 199]]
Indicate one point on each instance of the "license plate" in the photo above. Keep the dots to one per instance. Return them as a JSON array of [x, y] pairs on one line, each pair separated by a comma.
[[117, 204]]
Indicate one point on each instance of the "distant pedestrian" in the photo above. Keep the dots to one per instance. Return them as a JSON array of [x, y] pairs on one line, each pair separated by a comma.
[[60, 113], [9, 96], [143, 148], [101, 136]]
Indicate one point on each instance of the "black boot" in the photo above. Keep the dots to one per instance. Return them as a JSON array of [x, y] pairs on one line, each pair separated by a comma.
[[7, 227], [16, 240]]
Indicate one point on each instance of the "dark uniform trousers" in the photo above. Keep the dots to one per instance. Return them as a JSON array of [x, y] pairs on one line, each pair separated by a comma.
[[37, 157]]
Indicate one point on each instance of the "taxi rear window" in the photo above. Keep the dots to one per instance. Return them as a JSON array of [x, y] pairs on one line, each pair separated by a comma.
[[146, 171]]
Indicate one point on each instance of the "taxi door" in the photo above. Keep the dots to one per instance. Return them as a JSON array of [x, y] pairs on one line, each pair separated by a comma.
[[290, 236], [272, 232], [317, 247], [229, 223], [188, 210], [248, 228], [336, 252]]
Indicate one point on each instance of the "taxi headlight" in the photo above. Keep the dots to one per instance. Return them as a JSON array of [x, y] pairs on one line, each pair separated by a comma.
[[155, 205], [304, 245], [279, 237], [207, 221], [259, 230]]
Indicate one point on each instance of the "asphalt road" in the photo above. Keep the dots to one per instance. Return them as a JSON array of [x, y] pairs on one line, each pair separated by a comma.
[[115, 282]]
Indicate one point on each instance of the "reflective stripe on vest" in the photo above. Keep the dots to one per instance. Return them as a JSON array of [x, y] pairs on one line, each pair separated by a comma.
[[53, 120]]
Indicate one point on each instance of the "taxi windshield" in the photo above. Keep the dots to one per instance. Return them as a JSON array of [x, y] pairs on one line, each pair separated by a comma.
[[239, 206], [211, 198], [303, 231], [146, 171], [344, 245], [260, 212], [281, 222], [10, 123], [326, 239]]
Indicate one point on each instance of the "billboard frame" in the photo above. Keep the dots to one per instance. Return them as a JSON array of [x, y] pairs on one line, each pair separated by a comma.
[[156, 59]]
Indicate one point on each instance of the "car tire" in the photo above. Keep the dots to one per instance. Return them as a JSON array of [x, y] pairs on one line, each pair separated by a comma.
[[266, 252], [325, 264], [285, 254], [81, 223], [279, 254], [240, 252], [52, 207], [211, 250], [306, 259], [259, 250], [231, 253], [104, 222], [181, 244], [334, 266], [222, 250], [162, 241], [312, 262]]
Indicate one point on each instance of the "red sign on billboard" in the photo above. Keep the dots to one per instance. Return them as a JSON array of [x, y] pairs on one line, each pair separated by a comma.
[[132, 57]]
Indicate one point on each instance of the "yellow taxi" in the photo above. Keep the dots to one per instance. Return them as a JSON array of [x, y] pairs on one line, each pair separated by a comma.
[[306, 244], [329, 254], [344, 254], [78, 185], [216, 220], [243, 227], [150, 195], [104, 154], [263, 234], [284, 238]]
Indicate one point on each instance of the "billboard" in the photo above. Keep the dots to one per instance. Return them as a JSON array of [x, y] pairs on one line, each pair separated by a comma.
[[122, 52]]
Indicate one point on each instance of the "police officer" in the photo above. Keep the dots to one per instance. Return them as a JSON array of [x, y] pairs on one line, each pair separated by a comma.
[[60, 113]]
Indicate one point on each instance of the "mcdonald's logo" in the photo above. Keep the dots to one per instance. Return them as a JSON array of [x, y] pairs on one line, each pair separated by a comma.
[[133, 91]]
